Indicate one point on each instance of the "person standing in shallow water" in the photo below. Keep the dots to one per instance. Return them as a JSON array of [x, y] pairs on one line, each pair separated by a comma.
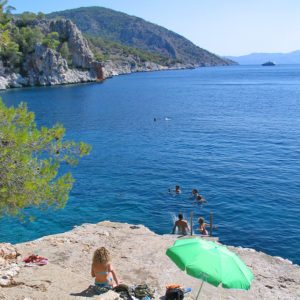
[[202, 226], [182, 225], [102, 270]]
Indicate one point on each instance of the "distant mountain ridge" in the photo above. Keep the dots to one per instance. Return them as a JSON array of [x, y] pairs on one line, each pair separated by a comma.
[[260, 58], [135, 32]]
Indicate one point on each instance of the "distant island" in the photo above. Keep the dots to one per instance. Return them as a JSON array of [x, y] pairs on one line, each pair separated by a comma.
[[89, 44], [268, 64], [260, 58]]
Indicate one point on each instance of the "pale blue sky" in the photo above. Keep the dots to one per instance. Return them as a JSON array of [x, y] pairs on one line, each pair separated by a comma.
[[225, 27]]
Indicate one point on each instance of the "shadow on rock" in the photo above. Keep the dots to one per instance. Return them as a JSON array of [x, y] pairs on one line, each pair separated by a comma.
[[89, 292]]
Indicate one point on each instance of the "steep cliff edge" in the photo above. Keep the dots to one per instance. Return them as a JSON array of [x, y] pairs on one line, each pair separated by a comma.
[[46, 66], [39, 51], [138, 256]]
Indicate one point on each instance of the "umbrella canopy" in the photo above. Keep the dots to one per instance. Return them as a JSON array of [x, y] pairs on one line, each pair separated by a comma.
[[210, 262]]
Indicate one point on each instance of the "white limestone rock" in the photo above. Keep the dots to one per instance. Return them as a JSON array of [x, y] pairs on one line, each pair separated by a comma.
[[82, 56], [138, 256]]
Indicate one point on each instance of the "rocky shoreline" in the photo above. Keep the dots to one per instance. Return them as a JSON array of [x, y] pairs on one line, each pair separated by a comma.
[[72, 76], [47, 67], [138, 256]]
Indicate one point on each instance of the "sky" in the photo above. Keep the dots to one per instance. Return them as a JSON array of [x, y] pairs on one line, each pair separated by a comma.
[[225, 27]]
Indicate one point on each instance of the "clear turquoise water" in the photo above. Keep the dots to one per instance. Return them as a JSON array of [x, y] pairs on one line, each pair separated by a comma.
[[231, 132]]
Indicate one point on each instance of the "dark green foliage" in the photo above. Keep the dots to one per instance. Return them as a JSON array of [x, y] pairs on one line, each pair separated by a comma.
[[5, 12], [16, 42], [41, 16], [19, 36], [105, 49], [65, 52], [10, 54], [51, 40], [27, 18], [9, 49], [27, 38], [29, 162]]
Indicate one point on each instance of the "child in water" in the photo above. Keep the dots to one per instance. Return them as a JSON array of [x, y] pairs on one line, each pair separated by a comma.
[[102, 270], [202, 226]]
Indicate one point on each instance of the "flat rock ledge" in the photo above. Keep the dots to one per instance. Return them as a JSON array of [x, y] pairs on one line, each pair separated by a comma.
[[138, 256]]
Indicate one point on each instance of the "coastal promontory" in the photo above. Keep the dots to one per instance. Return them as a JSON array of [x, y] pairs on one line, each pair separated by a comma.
[[61, 48], [138, 256]]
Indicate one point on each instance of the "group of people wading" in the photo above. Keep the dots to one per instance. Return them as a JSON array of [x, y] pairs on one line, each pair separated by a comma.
[[182, 225]]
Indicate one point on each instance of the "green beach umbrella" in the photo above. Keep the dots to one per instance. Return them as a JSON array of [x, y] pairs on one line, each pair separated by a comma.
[[210, 262]]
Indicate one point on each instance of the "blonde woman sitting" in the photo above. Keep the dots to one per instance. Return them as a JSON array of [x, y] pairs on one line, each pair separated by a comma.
[[102, 270]]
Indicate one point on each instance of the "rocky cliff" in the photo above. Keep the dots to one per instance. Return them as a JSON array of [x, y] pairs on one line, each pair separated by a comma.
[[45, 66], [82, 56], [55, 51], [138, 256]]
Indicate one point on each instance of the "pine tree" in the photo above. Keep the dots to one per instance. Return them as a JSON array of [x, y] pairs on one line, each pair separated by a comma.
[[30, 159]]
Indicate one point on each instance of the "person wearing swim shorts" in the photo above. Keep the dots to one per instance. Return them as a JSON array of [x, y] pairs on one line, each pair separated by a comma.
[[102, 270], [182, 225]]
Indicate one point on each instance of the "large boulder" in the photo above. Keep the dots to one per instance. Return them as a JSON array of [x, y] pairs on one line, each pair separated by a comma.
[[45, 66], [3, 83]]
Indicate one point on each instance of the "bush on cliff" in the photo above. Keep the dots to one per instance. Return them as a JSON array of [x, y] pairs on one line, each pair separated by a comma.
[[19, 37], [30, 159]]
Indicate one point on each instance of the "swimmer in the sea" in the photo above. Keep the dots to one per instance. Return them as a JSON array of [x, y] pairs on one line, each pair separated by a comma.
[[194, 193], [177, 189], [199, 199]]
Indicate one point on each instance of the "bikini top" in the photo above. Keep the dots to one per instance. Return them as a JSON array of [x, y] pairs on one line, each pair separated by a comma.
[[102, 273]]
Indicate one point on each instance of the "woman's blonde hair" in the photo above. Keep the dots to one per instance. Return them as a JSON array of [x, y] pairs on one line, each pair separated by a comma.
[[101, 255]]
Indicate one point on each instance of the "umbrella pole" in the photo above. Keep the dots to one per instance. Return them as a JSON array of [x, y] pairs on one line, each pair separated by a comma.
[[199, 290]]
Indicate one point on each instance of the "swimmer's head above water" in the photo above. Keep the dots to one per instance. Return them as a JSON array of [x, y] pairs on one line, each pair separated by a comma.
[[201, 220]]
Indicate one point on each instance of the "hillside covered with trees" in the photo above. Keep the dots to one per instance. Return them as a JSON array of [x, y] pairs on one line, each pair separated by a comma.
[[19, 36], [110, 25], [88, 44]]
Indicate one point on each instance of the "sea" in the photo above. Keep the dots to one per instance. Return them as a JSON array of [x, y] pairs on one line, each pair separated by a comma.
[[233, 133]]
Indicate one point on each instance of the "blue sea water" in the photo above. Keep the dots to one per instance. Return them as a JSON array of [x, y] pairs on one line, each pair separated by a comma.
[[231, 132]]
